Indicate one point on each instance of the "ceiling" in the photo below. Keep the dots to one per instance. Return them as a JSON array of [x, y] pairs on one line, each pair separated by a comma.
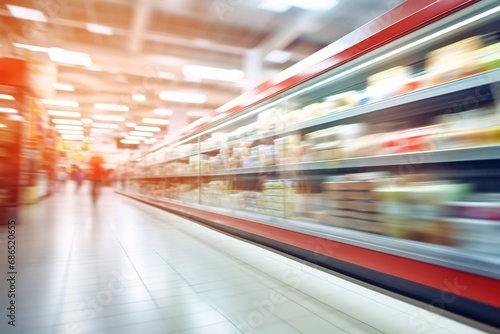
[[151, 42]]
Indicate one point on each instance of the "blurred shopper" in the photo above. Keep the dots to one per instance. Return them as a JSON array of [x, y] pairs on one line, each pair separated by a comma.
[[96, 175], [62, 177], [78, 176]]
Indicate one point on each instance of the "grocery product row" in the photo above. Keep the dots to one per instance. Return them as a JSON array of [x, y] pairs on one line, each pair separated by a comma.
[[416, 206]]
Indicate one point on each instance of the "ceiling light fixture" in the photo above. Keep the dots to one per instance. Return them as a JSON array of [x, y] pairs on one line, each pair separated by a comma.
[[65, 87], [213, 73], [69, 127], [148, 128], [8, 110], [109, 118], [86, 120], [67, 121], [139, 97], [26, 13], [183, 97], [281, 5], [62, 56], [155, 121], [99, 29], [61, 103], [6, 97], [141, 133], [130, 125], [62, 113], [129, 141], [111, 107], [105, 125], [3, 126], [31, 47], [99, 130], [135, 138], [163, 112], [71, 132], [278, 56]]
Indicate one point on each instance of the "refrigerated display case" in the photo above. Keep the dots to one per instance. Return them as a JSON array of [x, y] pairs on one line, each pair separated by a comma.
[[381, 162]]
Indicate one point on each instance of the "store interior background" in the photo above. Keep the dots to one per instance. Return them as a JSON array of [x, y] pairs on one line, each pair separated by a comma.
[[147, 57]]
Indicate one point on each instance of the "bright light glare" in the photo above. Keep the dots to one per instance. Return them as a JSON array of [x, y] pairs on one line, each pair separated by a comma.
[[105, 125], [213, 73], [130, 125], [59, 55], [141, 133], [26, 13], [148, 128], [109, 118], [129, 141], [31, 47], [71, 132], [163, 111], [155, 121], [65, 87], [135, 137], [61, 103], [8, 110], [62, 113], [99, 29], [139, 97], [69, 127], [6, 97], [66, 121], [111, 107], [183, 97]]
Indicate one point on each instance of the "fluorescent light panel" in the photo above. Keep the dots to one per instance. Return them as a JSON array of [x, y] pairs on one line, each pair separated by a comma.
[[105, 125], [108, 118], [139, 97], [70, 132], [59, 55], [86, 120], [26, 13], [130, 125], [99, 130], [72, 137], [60, 103], [67, 121], [31, 47], [147, 128], [8, 110], [213, 73], [135, 138], [99, 29], [155, 121], [278, 56], [3, 126], [69, 127], [163, 112], [62, 113], [182, 97], [141, 133], [111, 107], [65, 87], [129, 141], [6, 97]]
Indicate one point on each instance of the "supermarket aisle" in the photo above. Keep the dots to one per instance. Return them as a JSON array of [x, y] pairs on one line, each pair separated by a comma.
[[123, 267]]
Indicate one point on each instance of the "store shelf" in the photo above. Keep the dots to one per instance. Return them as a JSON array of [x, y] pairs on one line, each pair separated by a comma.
[[458, 259]]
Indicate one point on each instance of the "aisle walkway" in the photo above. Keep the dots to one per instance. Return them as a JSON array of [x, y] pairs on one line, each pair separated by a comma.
[[122, 267]]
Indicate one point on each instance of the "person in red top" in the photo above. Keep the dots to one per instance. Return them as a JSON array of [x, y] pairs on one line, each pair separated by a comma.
[[96, 175]]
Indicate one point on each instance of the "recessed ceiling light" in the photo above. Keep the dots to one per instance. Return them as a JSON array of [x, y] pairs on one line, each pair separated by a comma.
[[183, 97], [111, 107], [65, 87], [108, 118], [99, 29], [6, 97], [61, 103], [66, 121], [278, 56], [105, 125], [141, 133], [155, 121], [62, 113], [147, 128], [59, 55], [213, 73], [8, 110], [130, 124], [139, 97], [163, 112], [129, 141], [26, 13], [69, 127]]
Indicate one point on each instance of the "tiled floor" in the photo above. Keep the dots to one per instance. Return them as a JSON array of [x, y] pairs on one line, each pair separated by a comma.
[[124, 267]]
